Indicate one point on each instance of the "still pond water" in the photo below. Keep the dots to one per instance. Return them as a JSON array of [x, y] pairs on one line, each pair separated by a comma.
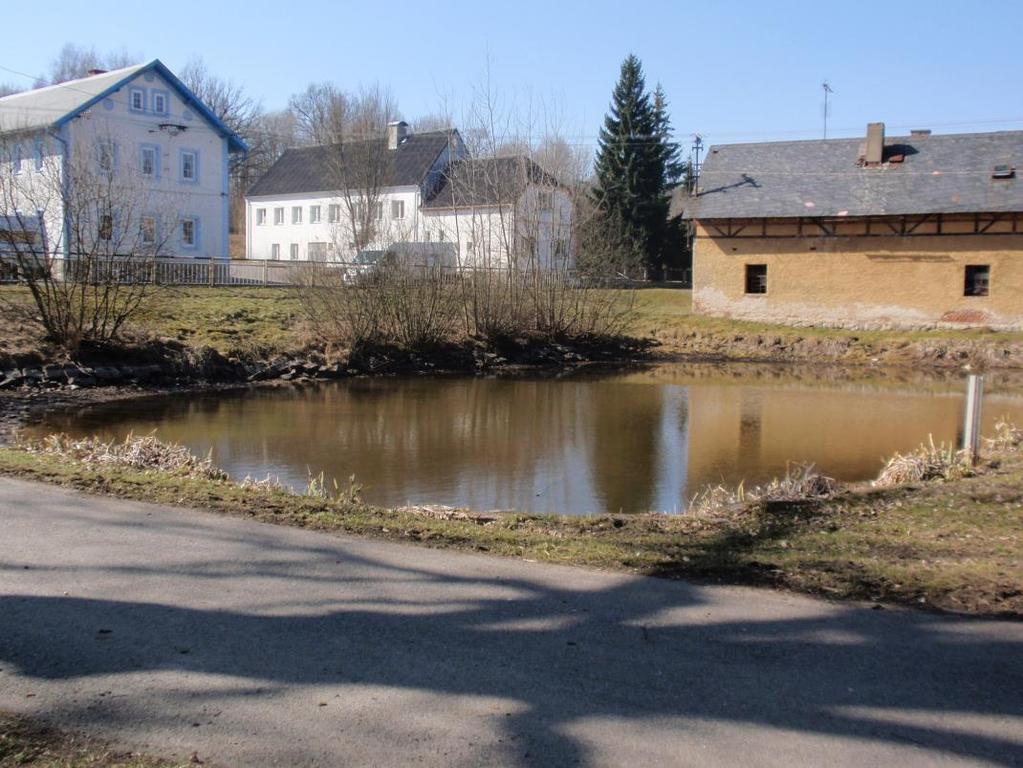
[[587, 442]]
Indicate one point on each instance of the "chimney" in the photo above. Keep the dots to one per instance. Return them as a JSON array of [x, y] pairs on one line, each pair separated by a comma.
[[93, 72], [397, 132], [875, 144], [920, 133]]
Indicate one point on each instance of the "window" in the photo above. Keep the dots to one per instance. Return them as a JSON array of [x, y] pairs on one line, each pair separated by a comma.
[[189, 233], [260, 216], [426, 235], [294, 251], [148, 161], [160, 103], [296, 214], [106, 155], [440, 234], [397, 209], [561, 249], [333, 214], [189, 166], [756, 278], [545, 200], [314, 214], [278, 215], [275, 252], [137, 100], [148, 230], [39, 154], [378, 211], [978, 280], [17, 158], [106, 227], [317, 251]]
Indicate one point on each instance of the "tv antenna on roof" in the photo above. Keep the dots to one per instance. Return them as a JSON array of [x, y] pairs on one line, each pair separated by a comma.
[[827, 107]]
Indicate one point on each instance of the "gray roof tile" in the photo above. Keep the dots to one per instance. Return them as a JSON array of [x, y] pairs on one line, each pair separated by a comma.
[[940, 174], [487, 181], [313, 169]]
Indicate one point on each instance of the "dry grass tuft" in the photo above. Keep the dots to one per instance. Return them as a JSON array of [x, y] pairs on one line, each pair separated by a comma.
[[144, 453], [801, 482], [1008, 437], [926, 463]]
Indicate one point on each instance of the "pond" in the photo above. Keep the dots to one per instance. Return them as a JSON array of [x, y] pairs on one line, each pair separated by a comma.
[[591, 441]]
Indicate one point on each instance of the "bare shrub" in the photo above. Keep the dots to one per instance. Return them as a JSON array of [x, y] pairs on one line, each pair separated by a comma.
[[928, 462], [399, 304], [143, 453], [82, 233]]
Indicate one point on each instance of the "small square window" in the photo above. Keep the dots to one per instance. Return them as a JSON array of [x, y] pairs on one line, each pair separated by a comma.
[[148, 161], [148, 230], [978, 280], [756, 278], [105, 155], [188, 233], [106, 227], [189, 166]]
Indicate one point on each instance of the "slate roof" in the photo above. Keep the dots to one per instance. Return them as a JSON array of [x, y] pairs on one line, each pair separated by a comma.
[[487, 181], [313, 169], [54, 105], [940, 174]]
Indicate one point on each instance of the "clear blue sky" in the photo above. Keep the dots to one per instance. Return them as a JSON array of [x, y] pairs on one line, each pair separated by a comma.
[[733, 71]]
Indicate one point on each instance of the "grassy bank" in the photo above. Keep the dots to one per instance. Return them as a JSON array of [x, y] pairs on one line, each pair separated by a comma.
[[24, 742], [948, 545], [262, 322]]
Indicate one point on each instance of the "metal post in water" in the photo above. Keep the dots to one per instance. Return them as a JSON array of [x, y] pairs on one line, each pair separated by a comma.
[[971, 419]]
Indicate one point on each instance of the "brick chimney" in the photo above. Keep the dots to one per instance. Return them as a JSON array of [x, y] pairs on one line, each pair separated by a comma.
[[875, 144], [397, 133]]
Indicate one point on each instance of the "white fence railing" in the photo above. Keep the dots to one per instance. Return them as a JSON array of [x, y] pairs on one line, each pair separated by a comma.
[[171, 271], [211, 272]]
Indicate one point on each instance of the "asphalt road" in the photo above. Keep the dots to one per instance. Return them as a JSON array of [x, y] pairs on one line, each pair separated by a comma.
[[179, 631]]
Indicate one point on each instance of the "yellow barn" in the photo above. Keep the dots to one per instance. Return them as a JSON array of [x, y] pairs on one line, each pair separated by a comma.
[[911, 231]]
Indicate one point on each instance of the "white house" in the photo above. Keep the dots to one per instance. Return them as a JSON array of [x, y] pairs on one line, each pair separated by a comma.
[[418, 194], [140, 126]]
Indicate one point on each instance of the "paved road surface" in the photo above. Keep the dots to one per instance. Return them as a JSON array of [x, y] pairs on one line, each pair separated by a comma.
[[178, 631]]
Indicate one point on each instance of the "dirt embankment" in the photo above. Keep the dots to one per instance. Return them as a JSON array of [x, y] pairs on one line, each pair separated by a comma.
[[873, 348]]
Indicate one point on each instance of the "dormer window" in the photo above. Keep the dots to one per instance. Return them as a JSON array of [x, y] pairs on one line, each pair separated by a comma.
[[1003, 172]]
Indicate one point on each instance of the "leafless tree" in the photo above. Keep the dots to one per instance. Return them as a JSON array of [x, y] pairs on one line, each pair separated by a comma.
[[8, 89], [74, 61], [82, 233]]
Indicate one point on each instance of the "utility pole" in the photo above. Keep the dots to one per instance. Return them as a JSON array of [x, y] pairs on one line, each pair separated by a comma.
[[827, 90], [694, 172]]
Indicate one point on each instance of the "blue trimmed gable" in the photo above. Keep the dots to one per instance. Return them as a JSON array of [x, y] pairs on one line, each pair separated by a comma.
[[156, 67]]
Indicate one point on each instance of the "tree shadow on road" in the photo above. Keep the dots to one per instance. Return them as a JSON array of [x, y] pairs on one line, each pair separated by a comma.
[[639, 650]]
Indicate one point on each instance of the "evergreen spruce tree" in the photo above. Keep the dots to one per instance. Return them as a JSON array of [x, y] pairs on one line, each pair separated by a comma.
[[638, 164], [629, 169]]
